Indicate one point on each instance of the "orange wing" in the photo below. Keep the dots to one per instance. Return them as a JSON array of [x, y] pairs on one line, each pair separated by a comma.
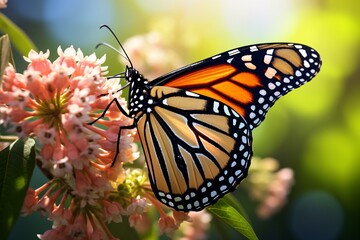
[[248, 79], [221, 82]]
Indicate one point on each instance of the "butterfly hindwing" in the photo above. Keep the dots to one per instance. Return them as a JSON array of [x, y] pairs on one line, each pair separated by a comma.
[[249, 79], [197, 149]]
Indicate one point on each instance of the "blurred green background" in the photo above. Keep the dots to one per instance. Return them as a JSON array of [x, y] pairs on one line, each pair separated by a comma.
[[315, 130]]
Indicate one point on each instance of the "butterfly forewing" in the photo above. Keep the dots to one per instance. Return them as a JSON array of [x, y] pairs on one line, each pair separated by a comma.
[[197, 149], [248, 79]]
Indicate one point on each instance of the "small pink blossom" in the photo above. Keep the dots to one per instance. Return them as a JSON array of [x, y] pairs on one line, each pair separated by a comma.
[[39, 62], [197, 228], [269, 185], [30, 202], [137, 206], [181, 216], [45, 205], [135, 219], [78, 229], [167, 225], [53, 234], [112, 211], [278, 190], [61, 216], [3, 3]]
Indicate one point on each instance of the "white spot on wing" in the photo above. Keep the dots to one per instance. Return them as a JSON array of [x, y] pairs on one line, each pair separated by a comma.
[[303, 52], [270, 51], [191, 94], [215, 57], [270, 72], [306, 64], [253, 48], [233, 52], [267, 59], [246, 58], [250, 65], [235, 113], [271, 86], [226, 110], [216, 107]]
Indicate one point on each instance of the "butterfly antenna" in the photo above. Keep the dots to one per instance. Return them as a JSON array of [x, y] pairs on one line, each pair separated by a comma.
[[112, 48], [119, 75], [122, 48]]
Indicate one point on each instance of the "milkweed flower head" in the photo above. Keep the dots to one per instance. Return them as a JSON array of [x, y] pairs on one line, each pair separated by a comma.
[[269, 185], [53, 102]]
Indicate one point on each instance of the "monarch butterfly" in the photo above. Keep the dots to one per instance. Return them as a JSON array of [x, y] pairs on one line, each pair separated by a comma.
[[195, 123]]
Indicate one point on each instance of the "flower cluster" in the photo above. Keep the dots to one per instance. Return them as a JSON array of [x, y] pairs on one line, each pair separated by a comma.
[[269, 185], [54, 102]]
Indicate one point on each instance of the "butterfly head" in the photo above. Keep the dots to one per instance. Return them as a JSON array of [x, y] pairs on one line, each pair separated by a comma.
[[131, 74]]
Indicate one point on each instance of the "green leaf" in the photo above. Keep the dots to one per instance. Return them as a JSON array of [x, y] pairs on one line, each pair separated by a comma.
[[230, 211], [19, 39], [17, 163], [5, 54]]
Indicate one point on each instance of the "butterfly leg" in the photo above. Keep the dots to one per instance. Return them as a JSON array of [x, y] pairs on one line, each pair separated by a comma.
[[132, 126], [107, 108]]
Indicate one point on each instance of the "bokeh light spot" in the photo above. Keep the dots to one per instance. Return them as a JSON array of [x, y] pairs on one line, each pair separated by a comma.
[[82, 19], [317, 215], [259, 19]]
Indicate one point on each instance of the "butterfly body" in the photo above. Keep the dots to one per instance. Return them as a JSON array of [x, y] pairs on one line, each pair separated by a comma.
[[195, 123]]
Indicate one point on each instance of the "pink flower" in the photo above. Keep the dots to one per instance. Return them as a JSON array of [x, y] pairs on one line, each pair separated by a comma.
[[112, 211], [45, 205], [138, 205], [181, 216], [135, 220], [78, 229], [30, 202], [53, 234], [278, 190], [269, 185], [3, 3], [53, 102], [167, 225], [197, 228]]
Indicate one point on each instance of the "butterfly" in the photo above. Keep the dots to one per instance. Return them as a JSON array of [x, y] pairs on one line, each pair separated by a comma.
[[195, 123]]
